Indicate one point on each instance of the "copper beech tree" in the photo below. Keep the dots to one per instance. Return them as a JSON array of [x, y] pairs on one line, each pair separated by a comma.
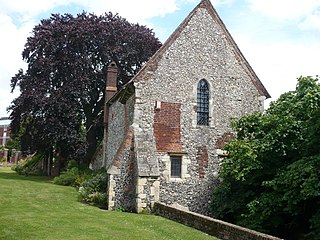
[[60, 107]]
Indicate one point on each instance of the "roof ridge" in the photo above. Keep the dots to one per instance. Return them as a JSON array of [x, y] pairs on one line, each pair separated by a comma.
[[243, 61], [152, 62]]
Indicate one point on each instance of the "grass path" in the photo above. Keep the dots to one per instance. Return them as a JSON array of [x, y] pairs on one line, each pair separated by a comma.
[[34, 208]]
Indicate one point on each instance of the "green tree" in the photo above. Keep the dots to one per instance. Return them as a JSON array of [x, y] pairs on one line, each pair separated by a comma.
[[60, 106], [271, 178]]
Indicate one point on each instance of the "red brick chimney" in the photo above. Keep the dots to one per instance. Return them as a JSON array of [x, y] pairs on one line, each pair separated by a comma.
[[111, 81], [110, 91]]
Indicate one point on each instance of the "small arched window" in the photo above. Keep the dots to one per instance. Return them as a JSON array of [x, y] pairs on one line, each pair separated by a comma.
[[203, 103]]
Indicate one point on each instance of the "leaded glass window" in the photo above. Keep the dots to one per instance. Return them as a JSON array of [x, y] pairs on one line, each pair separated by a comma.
[[203, 103], [176, 166]]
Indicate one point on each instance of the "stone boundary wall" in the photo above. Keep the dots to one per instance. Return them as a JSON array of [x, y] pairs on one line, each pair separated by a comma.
[[214, 227]]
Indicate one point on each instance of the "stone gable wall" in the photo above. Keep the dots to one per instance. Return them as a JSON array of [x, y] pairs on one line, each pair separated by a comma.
[[201, 51], [120, 118]]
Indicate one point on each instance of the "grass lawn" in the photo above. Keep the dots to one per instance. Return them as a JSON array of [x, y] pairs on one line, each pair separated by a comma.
[[34, 208]]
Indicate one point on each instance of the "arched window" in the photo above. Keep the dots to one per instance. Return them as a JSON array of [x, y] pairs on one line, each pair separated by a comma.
[[203, 103]]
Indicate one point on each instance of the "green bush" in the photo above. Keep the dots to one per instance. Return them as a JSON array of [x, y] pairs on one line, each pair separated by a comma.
[[93, 190], [82, 177], [4, 159], [144, 211], [271, 175], [74, 175], [29, 166], [19, 168], [67, 178], [92, 186], [36, 172], [120, 209]]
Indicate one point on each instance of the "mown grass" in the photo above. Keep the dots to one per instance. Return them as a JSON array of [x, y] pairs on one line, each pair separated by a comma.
[[34, 208]]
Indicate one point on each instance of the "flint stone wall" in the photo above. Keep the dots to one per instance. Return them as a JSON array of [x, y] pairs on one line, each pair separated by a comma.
[[201, 51], [120, 118], [125, 179], [116, 130], [120, 156], [147, 193]]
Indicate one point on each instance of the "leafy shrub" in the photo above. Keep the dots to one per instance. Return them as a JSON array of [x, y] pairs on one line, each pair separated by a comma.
[[92, 186], [67, 178], [19, 168], [29, 166], [82, 177], [271, 175], [120, 209], [74, 175], [315, 223], [144, 211], [36, 172], [4, 164], [74, 164], [4, 159], [93, 190]]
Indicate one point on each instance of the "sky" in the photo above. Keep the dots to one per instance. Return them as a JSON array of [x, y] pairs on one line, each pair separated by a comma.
[[279, 38]]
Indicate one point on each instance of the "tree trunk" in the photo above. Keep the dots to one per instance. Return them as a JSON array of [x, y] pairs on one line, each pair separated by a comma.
[[92, 146]]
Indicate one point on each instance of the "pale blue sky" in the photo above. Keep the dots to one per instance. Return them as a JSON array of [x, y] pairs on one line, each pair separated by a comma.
[[279, 38]]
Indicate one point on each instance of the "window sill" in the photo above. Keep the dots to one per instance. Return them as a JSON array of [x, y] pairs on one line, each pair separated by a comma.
[[175, 179]]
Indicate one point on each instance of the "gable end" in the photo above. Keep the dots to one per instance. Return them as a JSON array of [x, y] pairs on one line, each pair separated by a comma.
[[152, 64]]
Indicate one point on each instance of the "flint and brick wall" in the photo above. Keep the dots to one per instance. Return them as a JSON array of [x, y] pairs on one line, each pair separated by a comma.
[[202, 160], [200, 51], [116, 130], [147, 193], [120, 155], [125, 181], [214, 227], [167, 127], [120, 118]]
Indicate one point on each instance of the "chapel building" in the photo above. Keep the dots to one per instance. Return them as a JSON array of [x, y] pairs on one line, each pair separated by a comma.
[[165, 129]]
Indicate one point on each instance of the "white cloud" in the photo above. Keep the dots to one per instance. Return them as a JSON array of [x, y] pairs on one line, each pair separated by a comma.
[[285, 9], [134, 11], [17, 18], [311, 22], [221, 2], [30, 7], [279, 64], [11, 45]]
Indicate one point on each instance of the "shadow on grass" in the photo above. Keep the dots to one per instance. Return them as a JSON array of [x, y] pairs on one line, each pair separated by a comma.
[[6, 173]]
